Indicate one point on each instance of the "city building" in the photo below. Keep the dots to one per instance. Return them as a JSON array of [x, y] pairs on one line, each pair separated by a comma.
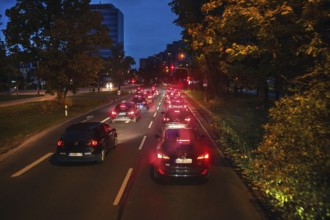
[[113, 18]]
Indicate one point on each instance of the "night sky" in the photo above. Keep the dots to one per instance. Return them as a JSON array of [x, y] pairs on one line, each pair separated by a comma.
[[148, 25]]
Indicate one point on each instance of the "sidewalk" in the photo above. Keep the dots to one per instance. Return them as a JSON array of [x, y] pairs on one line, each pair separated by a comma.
[[26, 100]]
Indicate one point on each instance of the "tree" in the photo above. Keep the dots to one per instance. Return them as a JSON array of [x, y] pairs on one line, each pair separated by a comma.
[[118, 63], [63, 36]]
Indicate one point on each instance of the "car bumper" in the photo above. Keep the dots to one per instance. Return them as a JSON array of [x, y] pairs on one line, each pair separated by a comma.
[[122, 118], [86, 157], [180, 172]]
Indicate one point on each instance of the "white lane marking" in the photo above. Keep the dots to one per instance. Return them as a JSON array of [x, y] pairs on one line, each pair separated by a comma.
[[142, 142], [25, 169], [155, 114], [123, 186], [221, 154], [106, 119], [150, 124], [157, 108], [88, 118]]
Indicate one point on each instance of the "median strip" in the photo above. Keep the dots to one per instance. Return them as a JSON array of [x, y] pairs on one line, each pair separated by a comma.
[[25, 169], [123, 186]]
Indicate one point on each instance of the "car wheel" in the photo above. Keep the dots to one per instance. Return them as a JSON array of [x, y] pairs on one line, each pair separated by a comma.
[[115, 142], [102, 157]]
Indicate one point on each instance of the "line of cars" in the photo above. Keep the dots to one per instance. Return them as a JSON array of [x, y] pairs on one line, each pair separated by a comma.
[[91, 141], [182, 152]]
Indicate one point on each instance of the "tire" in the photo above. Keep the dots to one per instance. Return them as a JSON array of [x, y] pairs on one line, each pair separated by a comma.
[[115, 142], [101, 157]]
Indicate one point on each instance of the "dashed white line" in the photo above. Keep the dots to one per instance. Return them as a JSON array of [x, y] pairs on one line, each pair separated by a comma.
[[155, 114], [88, 118], [150, 124], [157, 108], [106, 119], [25, 169], [123, 186], [142, 142]]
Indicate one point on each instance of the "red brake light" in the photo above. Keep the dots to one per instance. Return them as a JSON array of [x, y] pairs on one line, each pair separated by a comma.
[[187, 119], [131, 113], [93, 143], [60, 143], [204, 156], [162, 156]]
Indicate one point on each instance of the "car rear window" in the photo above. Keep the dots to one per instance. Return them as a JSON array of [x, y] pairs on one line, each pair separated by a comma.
[[182, 135], [78, 135]]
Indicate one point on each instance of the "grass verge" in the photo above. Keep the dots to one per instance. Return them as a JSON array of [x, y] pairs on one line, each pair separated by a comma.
[[22, 121]]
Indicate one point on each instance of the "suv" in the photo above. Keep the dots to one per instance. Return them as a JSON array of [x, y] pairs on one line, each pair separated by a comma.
[[176, 115], [86, 141], [182, 154], [125, 111]]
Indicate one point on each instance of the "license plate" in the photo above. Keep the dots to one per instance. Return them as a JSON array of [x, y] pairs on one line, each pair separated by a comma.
[[75, 154], [122, 113], [183, 160]]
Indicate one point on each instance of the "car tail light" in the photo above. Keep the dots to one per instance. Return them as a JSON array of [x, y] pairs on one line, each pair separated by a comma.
[[113, 113], [93, 143], [166, 119], [60, 143], [187, 119], [204, 156], [144, 103], [131, 113], [162, 156]]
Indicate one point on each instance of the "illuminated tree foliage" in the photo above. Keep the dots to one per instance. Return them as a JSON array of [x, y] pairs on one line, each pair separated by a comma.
[[284, 44], [62, 37]]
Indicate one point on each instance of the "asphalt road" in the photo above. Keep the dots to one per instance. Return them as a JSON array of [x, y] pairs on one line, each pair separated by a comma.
[[34, 186]]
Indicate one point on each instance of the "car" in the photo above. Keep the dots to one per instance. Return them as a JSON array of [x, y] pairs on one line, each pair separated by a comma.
[[181, 154], [176, 115], [86, 142], [176, 103], [125, 111], [141, 102]]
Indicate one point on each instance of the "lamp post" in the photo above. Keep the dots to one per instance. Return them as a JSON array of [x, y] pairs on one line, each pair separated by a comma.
[[182, 56]]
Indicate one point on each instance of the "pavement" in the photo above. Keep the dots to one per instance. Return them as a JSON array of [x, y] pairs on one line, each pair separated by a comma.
[[26, 100], [44, 96]]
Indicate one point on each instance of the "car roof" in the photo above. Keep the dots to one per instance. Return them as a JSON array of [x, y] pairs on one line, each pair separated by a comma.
[[84, 126]]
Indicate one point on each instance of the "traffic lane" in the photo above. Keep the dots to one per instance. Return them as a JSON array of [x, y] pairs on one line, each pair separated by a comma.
[[74, 191], [70, 185], [224, 196]]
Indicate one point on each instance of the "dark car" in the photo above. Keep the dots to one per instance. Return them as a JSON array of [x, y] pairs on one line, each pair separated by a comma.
[[125, 111], [141, 102], [181, 154], [176, 103], [176, 115], [86, 141]]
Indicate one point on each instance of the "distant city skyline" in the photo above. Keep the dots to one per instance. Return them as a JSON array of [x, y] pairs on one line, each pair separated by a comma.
[[148, 25]]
